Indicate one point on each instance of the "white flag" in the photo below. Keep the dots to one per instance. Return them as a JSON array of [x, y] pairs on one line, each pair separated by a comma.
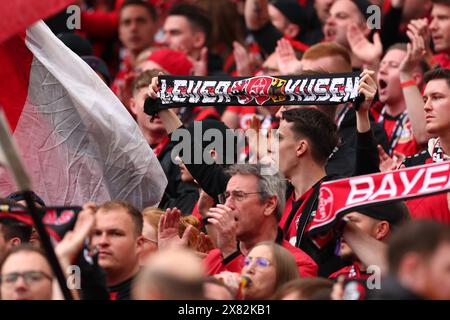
[[78, 141]]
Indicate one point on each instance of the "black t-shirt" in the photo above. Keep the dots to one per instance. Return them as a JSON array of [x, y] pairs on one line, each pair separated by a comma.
[[122, 291]]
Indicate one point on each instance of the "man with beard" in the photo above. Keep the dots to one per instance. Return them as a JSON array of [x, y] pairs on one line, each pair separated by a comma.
[[378, 222]]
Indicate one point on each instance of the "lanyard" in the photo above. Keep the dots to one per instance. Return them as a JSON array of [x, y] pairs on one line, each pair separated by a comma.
[[438, 154], [341, 115], [398, 128]]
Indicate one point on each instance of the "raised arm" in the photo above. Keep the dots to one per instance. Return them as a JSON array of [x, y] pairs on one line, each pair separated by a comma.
[[367, 160], [410, 78], [210, 177], [368, 250]]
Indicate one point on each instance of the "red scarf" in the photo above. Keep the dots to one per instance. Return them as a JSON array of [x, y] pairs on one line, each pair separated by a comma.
[[341, 196]]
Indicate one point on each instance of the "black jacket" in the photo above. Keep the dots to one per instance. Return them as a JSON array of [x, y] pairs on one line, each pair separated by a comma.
[[177, 194], [348, 161]]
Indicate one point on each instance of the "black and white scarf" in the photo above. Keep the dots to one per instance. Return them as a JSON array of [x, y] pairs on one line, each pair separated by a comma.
[[323, 89]]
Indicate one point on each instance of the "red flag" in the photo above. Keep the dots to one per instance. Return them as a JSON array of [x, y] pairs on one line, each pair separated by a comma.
[[17, 15]]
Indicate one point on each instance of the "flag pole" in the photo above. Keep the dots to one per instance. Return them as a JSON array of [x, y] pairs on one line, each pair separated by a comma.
[[23, 183]]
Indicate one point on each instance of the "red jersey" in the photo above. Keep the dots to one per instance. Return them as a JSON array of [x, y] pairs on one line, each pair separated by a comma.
[[352, 272], [443, 60], [125, 68], [399, 132], [235, 263], [435, 207], [293, 207]]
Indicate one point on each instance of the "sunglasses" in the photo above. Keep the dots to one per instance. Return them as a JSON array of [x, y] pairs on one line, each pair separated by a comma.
[[260, 262]]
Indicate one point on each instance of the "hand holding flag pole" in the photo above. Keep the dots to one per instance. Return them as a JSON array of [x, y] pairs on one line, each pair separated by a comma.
[[10, 157]]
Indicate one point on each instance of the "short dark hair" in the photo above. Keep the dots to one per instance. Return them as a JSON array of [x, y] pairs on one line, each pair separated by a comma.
[[135, 214], [143, 3], [11, 228], [437, 74], [421, 236], [317, 127], [444, 2], [197, 17]]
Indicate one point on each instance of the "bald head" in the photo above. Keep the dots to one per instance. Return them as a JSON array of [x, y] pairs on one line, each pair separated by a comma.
[[176, 274]]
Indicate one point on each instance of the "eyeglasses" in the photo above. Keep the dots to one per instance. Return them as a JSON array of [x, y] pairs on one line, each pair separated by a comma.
[[260, 262], [237, 195], [30, 277]]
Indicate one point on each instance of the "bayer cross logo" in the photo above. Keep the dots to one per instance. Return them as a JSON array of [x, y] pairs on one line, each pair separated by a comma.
[[259, 86], [325, 207], [259, 89]]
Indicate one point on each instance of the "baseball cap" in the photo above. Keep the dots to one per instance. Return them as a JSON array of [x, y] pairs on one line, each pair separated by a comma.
[[292, 10], [175, 62], [76, 43], [99, 66], [396, 213]]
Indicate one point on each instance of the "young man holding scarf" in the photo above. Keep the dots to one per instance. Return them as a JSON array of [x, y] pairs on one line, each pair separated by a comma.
[[303, 162]]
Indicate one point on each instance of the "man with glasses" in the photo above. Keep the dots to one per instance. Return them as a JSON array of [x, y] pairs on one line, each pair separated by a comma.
[[26, 275], [252, 207]]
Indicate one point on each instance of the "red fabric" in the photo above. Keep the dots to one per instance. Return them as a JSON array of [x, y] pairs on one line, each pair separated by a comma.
[[196, 213], [175, 62], [205, 112], [125, 68], [101, 24], [229, 63], [15, 77], [113, 295], [241, 109], [105, 24], [292, 230], [443, 60], [214, 263], [386, 6], [407, 143], [345, 195], [435, 207], [351, 272], [298, 45], [26, 218], [160, 147], [17, 15]]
